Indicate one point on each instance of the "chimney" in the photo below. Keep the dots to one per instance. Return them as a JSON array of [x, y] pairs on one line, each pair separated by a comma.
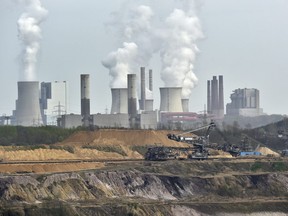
[[214, 96], [208, 97], [132, 100], [132, 94], [143, 89], [150, 80], [85, 99], [221, 97]]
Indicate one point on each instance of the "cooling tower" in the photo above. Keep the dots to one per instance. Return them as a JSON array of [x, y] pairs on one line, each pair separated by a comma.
[[28, 106], [149, 105], [85, 98], [171, 99], [185, 105], [143, 88], [119, 101], [132, 94]]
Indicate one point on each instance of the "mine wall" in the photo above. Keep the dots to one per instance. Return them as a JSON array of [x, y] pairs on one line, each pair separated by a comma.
[[133, 192]]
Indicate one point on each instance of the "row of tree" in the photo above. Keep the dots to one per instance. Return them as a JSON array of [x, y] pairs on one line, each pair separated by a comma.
[[18, 135]]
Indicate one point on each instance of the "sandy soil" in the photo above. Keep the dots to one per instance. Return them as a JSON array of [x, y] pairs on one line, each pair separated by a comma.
[[48, 168]]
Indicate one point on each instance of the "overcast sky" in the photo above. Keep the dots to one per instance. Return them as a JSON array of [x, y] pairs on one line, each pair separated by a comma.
[[245, 41]]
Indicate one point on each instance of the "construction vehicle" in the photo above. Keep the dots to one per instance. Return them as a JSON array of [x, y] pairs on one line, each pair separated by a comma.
[[197, 150]]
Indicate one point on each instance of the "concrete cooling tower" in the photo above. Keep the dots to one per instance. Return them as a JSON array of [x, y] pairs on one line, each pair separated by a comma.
[[119, 100], [27, 105], [171, 99], [185, 105]]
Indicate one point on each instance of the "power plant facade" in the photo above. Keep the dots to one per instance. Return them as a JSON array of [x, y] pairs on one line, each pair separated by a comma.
[[244, 102], [215, 97], [48, 105], [28, 104]]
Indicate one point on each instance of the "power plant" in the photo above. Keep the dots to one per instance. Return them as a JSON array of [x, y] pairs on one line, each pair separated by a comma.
[[48, 106], [244, 102]]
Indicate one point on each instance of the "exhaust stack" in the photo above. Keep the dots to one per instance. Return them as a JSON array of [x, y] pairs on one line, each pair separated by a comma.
[[85, 99]]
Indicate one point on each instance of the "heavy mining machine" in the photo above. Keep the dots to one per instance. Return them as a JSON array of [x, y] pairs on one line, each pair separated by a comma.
[[196, 151]]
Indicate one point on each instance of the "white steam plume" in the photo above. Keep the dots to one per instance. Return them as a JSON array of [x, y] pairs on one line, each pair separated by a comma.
[[119, 64], [30, 34], [179, 51], [135, 29], [175, 39]]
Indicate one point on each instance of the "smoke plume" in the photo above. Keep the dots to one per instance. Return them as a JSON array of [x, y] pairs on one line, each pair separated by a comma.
[[30, 35], [174, 38], [119, 64], [179, 51], [135, 30]]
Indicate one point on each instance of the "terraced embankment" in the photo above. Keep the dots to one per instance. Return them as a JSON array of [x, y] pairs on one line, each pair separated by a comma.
[[239, 187]]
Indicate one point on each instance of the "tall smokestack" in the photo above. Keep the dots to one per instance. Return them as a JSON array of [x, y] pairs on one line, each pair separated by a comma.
[[143, 88], [119, 100], [132, 99], [85, 99], [132, 94], [150, 80], [171, 99], [214, 96], [208, 96], [28, 106], [221, 97]]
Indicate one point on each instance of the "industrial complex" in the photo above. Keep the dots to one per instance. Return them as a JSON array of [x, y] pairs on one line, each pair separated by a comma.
[[46, 104]]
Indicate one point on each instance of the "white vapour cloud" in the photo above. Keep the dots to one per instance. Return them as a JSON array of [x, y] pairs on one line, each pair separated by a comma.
[[175, 38], [30, 35], [134, 29], [119, 64], [179, 51]]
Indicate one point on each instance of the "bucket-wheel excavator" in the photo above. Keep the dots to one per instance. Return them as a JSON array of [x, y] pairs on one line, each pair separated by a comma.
[[197, 149]]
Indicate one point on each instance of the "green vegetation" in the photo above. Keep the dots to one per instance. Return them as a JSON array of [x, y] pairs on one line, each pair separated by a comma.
[[280, 166], [18, 135], [140, 149], [256, 166]]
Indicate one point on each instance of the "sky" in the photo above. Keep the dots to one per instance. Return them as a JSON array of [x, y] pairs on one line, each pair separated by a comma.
[[245, 41]]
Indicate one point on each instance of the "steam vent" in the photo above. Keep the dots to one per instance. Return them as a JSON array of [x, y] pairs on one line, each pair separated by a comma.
[[28, 106]]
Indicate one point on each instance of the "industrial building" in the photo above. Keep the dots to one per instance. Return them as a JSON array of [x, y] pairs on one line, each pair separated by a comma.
[[53, 101], [244, 102]]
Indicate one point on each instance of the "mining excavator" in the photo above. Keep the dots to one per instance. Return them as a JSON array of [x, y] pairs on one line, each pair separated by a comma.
[[197, 149]]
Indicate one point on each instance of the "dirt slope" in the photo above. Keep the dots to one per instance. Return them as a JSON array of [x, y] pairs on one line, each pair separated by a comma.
[[121, 137]]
